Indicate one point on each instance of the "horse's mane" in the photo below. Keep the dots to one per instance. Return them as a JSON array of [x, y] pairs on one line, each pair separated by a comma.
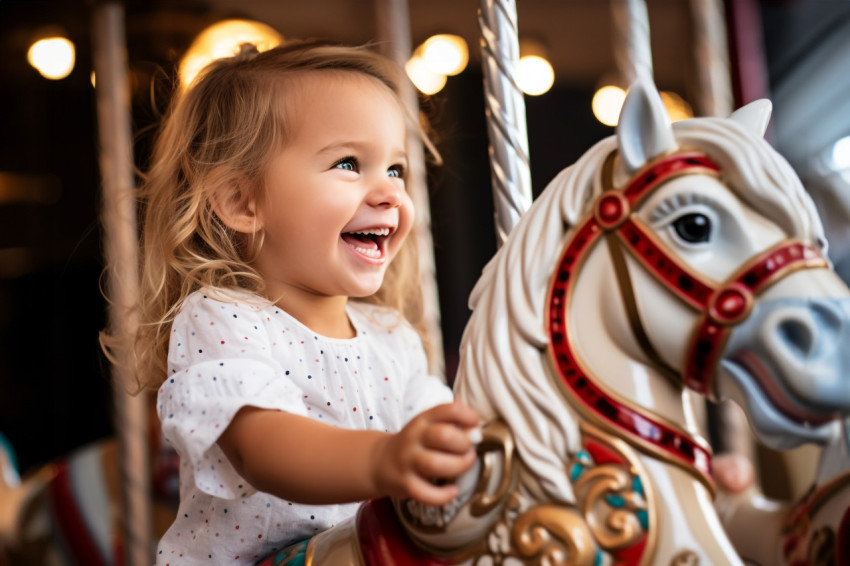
[[504, 368]]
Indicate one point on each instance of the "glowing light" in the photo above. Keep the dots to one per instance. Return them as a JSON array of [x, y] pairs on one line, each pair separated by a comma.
[[53, 57], [841, 154], [223, 39], [535, 75], [445, 54], [425, 79], [676, 106], [607, 103]]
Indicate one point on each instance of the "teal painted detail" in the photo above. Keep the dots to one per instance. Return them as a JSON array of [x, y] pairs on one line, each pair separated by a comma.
[[598, 560], [583, 456], [7, 447], [643, 517], [575, 471], [616, 501], [637, 486], [294, 555]]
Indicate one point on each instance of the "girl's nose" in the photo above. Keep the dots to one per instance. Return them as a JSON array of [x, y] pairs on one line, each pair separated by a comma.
[[387, 192]]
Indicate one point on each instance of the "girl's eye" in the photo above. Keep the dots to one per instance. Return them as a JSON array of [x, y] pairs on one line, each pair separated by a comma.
[[395, 171], [346, 163], [693, 228]]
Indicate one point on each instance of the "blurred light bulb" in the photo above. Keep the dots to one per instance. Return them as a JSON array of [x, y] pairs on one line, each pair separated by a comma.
[[425, 79], [445, 54], [223, 39], [607, 103], [53, 57], [535, 75], [676, 106], [841, 154]]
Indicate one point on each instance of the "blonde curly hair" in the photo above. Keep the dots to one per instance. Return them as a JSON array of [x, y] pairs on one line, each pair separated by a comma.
[[219, 134]]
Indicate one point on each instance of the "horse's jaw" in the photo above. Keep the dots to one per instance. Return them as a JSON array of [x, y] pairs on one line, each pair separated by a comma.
[[788, 364], [771, 426]]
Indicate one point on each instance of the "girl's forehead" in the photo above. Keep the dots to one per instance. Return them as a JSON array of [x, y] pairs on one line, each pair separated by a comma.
[[335, 80], [327, 94]]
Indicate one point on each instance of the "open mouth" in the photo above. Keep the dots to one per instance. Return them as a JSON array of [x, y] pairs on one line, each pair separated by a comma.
[[752, 365], [370, 242]]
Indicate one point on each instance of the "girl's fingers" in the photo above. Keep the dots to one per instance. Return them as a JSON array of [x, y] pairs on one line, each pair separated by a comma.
[[446, 437], [437, 495], [455, 413], [432, 464]]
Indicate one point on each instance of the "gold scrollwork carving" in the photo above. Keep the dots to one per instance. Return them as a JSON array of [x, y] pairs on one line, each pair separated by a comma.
[[496, 437], [550, 534], [613, 526], [685, 558], [822, 548]]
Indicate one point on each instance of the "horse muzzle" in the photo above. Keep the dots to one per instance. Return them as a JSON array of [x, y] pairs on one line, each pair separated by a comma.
[[790, 360]]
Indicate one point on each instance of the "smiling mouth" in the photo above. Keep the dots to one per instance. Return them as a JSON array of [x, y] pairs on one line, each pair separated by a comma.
[[370, 243], [752, 365]]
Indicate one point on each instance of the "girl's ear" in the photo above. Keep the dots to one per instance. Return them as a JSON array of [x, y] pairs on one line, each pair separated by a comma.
[[237, 209]]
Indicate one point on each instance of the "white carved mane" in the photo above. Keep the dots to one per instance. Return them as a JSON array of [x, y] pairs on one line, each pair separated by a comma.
[[504, 367]]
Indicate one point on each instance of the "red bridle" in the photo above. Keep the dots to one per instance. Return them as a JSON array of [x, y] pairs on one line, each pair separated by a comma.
[[719, 306]]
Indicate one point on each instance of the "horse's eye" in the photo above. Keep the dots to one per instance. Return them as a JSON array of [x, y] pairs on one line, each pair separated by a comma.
[[693, 228]]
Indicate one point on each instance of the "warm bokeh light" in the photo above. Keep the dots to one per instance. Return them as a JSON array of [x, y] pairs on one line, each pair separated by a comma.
[[535, 75], [53, 57], [607, 103], [676, 106], [223, 39], [425, 79], [445, 54]]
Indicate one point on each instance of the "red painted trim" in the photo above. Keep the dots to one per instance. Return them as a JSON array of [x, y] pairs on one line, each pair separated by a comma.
[[660, 171], [383, 540], [71, 523], [705, 297], [674, 275], [761, 271], [842, 537], [584, 388]]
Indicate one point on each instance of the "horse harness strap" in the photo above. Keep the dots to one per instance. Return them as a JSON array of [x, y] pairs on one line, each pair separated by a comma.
[[720, 306]]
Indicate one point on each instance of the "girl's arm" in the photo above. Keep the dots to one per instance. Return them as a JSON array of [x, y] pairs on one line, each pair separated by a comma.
[[305, 461]]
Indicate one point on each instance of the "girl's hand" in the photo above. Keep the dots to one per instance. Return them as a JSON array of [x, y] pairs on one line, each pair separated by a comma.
[[733, 473], [434, 445]]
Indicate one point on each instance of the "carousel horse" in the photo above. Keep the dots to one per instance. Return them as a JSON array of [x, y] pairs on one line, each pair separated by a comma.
[[668, 260], [67, 512]]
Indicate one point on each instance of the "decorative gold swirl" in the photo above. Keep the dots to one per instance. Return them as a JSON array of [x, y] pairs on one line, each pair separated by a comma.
[[612, 527], [685, 558], [549, 534], [496, 437], [822, 548]]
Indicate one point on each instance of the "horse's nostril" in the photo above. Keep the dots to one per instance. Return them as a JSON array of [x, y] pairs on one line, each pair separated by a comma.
[[797, 334]]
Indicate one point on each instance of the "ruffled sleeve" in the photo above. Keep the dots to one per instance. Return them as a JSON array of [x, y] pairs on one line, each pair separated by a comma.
[[219, 361], [422, 390]]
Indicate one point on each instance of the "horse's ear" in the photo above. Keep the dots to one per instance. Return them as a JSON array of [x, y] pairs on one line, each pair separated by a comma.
[[754, 116], [644, 129]]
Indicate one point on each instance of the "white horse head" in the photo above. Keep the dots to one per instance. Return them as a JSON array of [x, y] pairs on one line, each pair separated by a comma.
[[667, 258]]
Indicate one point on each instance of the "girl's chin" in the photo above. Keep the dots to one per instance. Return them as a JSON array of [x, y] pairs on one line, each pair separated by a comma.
[[366, 287]]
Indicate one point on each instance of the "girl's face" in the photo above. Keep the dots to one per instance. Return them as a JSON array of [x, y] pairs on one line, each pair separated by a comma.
[[335, 211]]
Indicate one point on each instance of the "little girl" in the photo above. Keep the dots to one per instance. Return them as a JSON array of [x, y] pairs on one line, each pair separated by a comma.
[[276, 282]]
